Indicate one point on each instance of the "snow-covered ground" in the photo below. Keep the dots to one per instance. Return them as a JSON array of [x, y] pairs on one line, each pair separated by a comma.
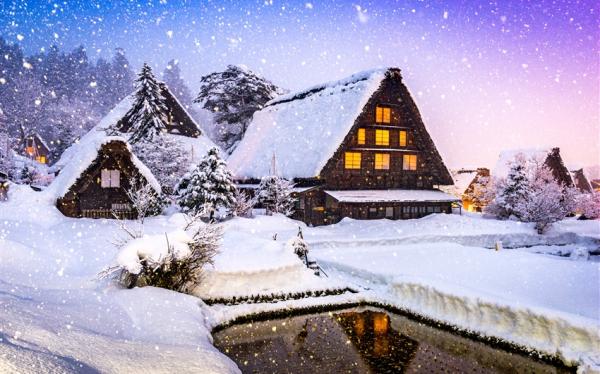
[[55, 315]]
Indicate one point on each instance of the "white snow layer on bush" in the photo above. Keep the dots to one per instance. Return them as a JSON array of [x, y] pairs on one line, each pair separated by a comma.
[[154, 249], [303, 133]]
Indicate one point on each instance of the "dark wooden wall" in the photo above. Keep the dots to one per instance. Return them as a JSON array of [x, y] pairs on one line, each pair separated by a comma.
[[405, 116], [87, 194]]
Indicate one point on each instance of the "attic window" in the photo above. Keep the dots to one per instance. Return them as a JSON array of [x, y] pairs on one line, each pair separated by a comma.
[[383, 114], [382, 137], [352, 160], [409, 162], [382, 161], [361, 138], [110, 178]]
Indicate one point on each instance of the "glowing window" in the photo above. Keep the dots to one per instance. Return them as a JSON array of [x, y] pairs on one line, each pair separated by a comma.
[[409, 162], [361, 136], [110, 178], [402, 138], [352, 160], [41, 159], [382, 161], [383, 115], [382, 137]]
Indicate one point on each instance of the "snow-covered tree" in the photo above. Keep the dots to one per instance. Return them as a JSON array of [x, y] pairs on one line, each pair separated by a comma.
[[243, 204], [546, 200], [208, 187], [589, 205], [511, 190], [172, 77], [233, 96], [149, 114], [275, 194], [166, 159], [122, 76], [531, 193]]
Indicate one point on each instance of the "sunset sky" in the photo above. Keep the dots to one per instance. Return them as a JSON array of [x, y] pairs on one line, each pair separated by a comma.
[[486, 77]]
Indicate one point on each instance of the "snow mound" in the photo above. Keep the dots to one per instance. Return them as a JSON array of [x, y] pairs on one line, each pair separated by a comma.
[[303, 129], [153, 248]]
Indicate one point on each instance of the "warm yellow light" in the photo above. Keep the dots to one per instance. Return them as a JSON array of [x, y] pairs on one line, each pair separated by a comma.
[[382, 161], [352, 160], [361, 136], [383, 115], [402, 138], [409, 162], [382, 137]]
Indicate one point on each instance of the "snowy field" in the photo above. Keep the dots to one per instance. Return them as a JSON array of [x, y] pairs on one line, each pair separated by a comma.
[[55, 315]]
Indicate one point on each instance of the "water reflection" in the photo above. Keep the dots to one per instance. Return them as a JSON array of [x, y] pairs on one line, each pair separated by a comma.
[[365, 340]]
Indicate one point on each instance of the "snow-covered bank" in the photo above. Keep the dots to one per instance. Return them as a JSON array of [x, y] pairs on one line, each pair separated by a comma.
[[541, 302]]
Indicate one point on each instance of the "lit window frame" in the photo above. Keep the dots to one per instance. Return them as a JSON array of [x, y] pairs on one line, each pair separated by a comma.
[[361, 136], [383, 114], [382, 137], [352, 160], [409, 162], [382, 161], [403, 138]]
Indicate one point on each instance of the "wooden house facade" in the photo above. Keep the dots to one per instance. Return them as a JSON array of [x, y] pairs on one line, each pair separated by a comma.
[[581, 182], [354, 148], [96, 185]]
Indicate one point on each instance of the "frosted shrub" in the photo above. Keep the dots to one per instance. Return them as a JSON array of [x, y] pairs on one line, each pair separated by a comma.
[[275, 194], [589, 205], [243, 204], [174, 262], [144, 200]]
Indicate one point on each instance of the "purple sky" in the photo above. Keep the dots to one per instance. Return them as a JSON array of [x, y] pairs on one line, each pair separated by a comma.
[[486, 77]]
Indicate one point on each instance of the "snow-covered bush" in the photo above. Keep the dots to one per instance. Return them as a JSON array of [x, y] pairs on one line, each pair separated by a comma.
[[275, 195], [589, 205], [243, 204], [173, 261], [299, 246], [208, 187], [166, 159], [530, 193]]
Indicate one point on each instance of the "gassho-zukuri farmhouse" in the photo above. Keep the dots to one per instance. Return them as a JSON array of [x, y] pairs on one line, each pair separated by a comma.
[[356, 148]]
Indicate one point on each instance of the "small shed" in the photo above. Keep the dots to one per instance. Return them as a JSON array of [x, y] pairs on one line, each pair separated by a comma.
[[95, 184]]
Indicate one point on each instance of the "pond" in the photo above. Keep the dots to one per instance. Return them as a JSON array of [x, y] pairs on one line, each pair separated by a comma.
[[363, 340]]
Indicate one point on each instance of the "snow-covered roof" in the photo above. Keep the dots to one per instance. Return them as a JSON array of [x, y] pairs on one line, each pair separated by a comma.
[[197, 147], [303, 129], [463, 178], [374, 196], [73, 170], [506, 157]]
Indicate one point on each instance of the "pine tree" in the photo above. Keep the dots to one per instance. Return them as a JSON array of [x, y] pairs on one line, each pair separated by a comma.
[[275, 194], [208, 187], [511, 190], [149, 113], [232, 96], [172, 78], [122, 76]]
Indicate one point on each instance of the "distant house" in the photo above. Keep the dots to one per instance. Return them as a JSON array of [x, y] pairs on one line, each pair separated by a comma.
[[550, 157], [36, 148], [465, 182], [94, 184], [581, 182], [595, 185], [354, 148]]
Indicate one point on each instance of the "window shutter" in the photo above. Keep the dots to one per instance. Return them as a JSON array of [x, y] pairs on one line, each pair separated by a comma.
[[115, 178], [105, 178]]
